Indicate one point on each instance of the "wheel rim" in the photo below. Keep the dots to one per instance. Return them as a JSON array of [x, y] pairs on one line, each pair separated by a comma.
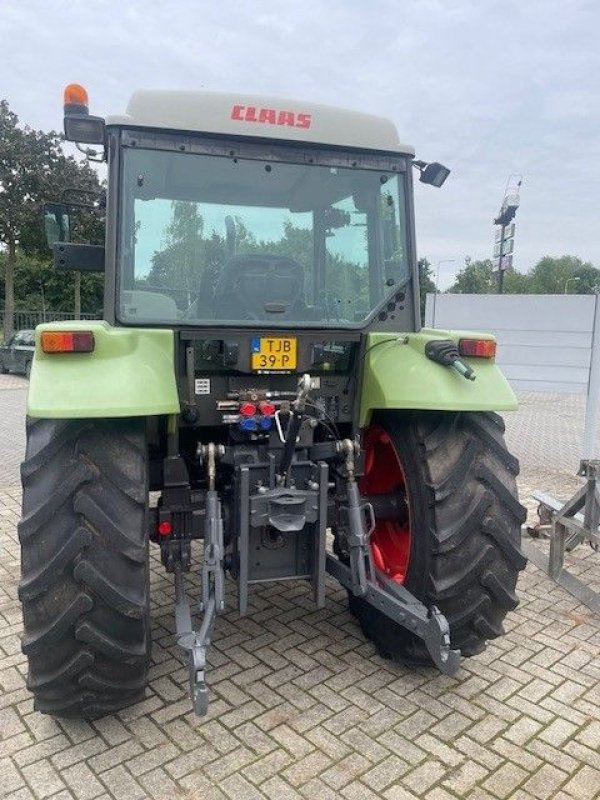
[[384, 478]]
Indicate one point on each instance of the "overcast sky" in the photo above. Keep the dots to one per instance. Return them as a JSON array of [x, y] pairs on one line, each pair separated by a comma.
[[488, 88]]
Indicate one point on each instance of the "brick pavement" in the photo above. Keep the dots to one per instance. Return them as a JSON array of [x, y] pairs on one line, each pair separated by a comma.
[[302, 707]]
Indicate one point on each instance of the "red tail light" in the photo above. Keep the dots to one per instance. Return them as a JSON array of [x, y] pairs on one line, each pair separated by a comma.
[[164, 528], [67, 341], [477, 348]]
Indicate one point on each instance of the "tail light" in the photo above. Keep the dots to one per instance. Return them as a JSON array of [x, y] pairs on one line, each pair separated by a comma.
[[164, 528], [477, 348], [67, 341]]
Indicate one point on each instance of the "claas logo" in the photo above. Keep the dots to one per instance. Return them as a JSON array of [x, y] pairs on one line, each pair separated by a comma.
[[271, 116]]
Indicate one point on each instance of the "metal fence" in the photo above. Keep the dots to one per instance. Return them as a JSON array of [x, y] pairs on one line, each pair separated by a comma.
[[29, 319]]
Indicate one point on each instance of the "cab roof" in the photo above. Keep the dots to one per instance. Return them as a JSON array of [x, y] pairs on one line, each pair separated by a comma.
[[258, 116]]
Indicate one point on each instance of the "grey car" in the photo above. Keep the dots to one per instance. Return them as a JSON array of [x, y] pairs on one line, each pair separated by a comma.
[[17, 354]]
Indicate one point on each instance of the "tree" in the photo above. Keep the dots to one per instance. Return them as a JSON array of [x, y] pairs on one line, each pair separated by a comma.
[[476, 277], [39, 287], [426, 283], [23, 152], [516, 282], [33, 168], [550, 276]]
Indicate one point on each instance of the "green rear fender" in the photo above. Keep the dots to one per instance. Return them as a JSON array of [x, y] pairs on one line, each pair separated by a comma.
[[398, 375], [130, 373]]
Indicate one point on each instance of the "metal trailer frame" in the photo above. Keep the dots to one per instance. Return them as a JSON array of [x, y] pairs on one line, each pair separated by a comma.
[[577, 520], [568, 528]]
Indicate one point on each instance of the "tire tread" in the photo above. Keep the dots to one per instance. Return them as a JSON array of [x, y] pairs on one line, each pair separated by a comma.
[[84, 584], [471, 534]]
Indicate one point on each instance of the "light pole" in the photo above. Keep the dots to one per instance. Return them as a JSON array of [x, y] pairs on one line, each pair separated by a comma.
[[568, 281], [509, 207], [437, 281]]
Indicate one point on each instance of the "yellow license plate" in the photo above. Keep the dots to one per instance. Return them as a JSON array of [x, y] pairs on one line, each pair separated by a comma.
[[274, 353]]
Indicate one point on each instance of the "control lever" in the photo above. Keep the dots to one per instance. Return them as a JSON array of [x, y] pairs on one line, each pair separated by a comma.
[[305, 384], [445, 352]]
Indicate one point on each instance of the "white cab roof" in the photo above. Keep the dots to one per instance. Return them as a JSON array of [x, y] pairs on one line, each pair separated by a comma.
[[254, 115]]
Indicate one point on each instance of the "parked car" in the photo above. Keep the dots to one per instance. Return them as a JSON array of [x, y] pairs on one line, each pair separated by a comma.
[[17, 354]]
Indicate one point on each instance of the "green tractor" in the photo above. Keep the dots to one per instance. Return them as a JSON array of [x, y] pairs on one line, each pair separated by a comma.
[[261, 384]]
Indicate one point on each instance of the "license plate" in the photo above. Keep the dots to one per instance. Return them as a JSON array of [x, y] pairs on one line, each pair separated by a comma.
[[274, 354]]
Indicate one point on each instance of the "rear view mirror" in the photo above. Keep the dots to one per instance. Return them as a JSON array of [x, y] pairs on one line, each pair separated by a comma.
[[57, 223], [433, 174]]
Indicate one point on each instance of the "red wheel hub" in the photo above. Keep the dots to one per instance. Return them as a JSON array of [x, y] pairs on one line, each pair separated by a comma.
[[390, 541]]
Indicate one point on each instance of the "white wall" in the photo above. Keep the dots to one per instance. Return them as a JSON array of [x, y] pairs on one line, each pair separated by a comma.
[[544, 341]]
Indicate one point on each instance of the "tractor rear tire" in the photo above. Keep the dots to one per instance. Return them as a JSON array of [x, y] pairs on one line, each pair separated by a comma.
[[463, 552], [84, 565]]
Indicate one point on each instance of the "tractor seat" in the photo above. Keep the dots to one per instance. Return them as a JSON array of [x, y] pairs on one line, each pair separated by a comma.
[[249, 282]]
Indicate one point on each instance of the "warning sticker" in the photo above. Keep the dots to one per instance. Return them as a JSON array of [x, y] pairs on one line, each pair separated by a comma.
[[202, 385]]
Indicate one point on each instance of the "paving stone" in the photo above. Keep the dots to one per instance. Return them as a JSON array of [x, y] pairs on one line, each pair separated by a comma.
[[462, 779], [267, 766], [518, 755], [121, 784], [545, 782], [10, 723], [590, 735], [21, 794], [42, 749], [303, 707], [277, 789], [82, 782], [585, 785], [159, 785], [505, 780], [42, 779], [424, 776], [358, 791], [315, 788], [523, 730], [10, 778], [306, 768], [236, 786], [115, 755]]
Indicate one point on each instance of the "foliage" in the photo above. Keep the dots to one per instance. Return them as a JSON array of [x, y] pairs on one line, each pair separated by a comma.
[[549, 276], [38, 286], [426, 284], [33, 168], [476, 277]]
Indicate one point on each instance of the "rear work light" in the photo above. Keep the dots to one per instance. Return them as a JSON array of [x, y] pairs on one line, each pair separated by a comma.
[[477, 348], [67, 341]]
